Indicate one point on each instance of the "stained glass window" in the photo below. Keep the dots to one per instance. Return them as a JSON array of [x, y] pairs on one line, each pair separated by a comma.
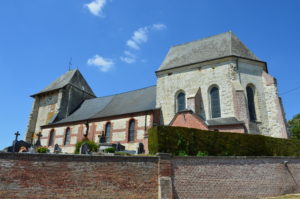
[[215, 102], [131, 130], [251, 103], [180, 102], [107, 132], [67, 136], [51, 138]]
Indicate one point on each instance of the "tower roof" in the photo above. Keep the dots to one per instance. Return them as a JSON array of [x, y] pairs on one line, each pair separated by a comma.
[[70, 77], [214, 47]]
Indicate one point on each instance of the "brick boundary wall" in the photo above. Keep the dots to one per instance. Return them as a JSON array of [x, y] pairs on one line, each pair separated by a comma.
[[234, 177], [77, 176], [165, 177]]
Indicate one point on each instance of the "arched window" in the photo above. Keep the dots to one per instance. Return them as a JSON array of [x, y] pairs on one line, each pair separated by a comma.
[[51, 138], [107, 132], [67, 136], [180, 101], [215, 103], [131, 130], [251, 103]]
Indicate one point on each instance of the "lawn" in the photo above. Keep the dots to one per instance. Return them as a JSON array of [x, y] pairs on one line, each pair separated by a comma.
[[290, 196]]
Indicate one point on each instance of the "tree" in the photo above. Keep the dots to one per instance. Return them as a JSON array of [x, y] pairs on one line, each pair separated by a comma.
[[294, 127]]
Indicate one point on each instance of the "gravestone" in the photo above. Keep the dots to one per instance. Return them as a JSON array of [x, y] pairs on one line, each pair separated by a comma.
[[85, 148], [140, 148], [102, 138], [120, 147], [57, 149]]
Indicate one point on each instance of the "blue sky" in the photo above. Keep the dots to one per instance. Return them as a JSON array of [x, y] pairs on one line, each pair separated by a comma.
[[118, 44]]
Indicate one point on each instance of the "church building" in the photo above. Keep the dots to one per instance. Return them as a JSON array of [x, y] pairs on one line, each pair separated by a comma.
[[215, 83]]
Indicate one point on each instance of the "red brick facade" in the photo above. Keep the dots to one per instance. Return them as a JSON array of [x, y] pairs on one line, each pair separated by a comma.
[[143, 121], [190, 120]]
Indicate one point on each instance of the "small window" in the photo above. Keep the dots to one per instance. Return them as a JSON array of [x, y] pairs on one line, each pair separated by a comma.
[[51, 138], [180, 102], [251, 103], [107, 132], [215, 103], [67, 136], [131, 130]]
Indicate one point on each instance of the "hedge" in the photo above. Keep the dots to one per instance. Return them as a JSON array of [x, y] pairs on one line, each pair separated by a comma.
[[176, 140]]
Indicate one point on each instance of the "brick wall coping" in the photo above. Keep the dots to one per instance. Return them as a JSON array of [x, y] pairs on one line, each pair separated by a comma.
[[237, 157], [76, 158], [99, 158], [236, 160]]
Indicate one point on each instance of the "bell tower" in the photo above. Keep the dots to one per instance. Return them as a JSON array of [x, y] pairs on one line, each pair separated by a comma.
[[57, 101]]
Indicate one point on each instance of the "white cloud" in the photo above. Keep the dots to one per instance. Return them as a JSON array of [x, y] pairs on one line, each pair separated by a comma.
[[128, 60], [96, 7], [141, 35], [102, 63], [129, 57], [132, 44], [159, 26]]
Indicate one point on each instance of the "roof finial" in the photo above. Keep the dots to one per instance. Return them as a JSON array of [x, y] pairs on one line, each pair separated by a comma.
[[70, 63]]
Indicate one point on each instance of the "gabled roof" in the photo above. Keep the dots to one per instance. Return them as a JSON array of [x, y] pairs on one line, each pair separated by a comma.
[[214, 47], [119, 104], [70, 77]]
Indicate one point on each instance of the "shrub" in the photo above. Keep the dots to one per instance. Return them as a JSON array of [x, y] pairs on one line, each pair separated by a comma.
[[182, 153], [93, 145], [110, 150], [122, 153], [175, 140], [201, 154], [42, 149]]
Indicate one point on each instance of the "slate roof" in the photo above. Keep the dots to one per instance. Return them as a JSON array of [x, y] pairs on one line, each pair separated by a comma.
[[218, 46], [223, 121], [129, 102], [61, 82]]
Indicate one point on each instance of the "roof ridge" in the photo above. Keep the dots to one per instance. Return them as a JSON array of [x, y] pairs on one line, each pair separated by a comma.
[[204, 38], [123, 92]]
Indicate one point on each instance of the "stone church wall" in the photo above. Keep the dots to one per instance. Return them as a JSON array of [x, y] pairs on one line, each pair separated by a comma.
[[190, 80], [119, 132], [41, 176], [251, 74]]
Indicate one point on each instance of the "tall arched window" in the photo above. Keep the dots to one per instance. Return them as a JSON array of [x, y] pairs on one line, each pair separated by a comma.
[[131, 130], [107, 132], [251, 103], [67, 136], [51, 138], [180, 101], [215, 103]]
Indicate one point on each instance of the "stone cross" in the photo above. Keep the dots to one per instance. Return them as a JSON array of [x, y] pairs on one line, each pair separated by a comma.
[[14, 142], [38, 142], [17, 135]]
